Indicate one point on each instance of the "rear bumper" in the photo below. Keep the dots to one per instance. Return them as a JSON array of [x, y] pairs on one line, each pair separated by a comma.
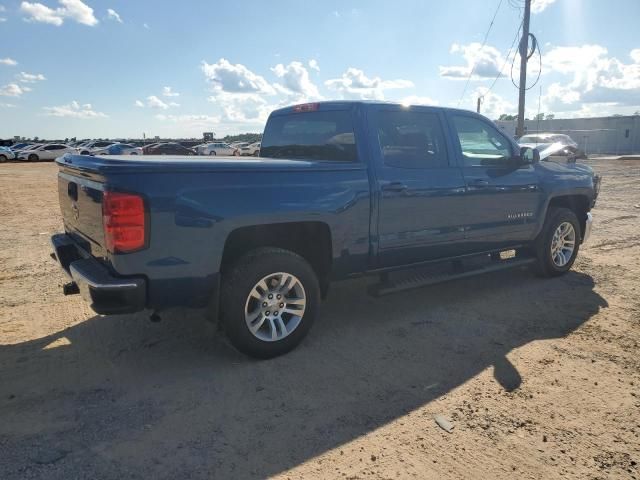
[[106, 293], [588, 226]]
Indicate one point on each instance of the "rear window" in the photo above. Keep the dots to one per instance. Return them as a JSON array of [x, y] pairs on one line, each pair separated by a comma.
[[310, 136]]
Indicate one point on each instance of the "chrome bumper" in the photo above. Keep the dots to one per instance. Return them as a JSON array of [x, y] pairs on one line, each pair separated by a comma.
[[587, 228]]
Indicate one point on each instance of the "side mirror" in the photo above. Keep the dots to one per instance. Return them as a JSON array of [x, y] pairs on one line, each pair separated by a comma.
[[529, 155]]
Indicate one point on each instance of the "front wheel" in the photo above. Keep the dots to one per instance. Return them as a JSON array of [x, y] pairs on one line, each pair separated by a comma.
[[270, 299], [558, 244], [33, 157], [3, 158]]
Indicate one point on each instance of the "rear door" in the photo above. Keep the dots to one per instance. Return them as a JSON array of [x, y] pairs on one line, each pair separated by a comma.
[[421, 189], [502, 194]]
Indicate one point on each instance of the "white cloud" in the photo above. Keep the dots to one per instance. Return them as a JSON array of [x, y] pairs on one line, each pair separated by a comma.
[[355, 84], [166, 92], [418, 100], [7, 105], [13, 90], [296, 81], [594, 78], [69, 9], [8, 61], [488, 61], [25, 77], [190, 120], [3, 19], [113, 15], [246, 108], [74, 110], [155, 102], [234, 78], [146, 25], [538, 6], [313, 64], [493, 105]]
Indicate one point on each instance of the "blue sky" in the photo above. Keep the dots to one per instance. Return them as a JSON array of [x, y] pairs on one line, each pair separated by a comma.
[[118, 68]]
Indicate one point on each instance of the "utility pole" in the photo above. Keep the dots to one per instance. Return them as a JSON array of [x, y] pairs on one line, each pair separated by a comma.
[[524, 52], [479, 103]]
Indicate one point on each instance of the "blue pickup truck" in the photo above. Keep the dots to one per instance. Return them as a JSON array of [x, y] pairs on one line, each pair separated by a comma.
[[414, 195]]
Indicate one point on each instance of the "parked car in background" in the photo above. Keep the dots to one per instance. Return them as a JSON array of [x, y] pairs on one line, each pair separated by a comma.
[[6, 154], [146, 148], [118, 149], [88, 148], [217, 148], [49, 151], [252, 150], [20, 146], [239, 145], [170, 148], [560, 145]]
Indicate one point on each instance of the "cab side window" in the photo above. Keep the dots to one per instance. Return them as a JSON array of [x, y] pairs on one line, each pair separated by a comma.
[[481, 144], [411, 139]]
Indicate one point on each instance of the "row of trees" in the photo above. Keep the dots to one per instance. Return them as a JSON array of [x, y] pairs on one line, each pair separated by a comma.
[[540, 116]]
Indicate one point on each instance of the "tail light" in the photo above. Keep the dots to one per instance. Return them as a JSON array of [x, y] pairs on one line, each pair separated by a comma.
[[124, 222]]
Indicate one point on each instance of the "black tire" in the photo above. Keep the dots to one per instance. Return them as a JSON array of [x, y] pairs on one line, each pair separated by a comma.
[[33, 157], [3, 158], [239, 282], [256, 154], [544, 265]]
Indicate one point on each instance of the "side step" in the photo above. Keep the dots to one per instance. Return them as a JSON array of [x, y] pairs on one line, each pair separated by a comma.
[[450, 270]]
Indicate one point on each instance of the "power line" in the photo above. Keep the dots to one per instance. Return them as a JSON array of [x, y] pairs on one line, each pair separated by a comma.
[[506, 59], [484, 41]]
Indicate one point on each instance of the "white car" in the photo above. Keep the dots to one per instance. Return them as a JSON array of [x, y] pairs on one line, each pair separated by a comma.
[[217, 148], [252, 150], [89, 147], [6, 154], [48, 151], [118, 149]]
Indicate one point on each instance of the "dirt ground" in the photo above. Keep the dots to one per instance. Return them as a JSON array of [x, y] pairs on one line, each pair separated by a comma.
[[539, 377]]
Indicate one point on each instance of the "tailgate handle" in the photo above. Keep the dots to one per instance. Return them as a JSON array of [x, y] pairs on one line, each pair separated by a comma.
[[72, 191]]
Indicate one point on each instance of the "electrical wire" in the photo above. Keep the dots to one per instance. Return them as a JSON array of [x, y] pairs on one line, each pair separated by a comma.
[[506, 59], [484, 42], [536, 45]]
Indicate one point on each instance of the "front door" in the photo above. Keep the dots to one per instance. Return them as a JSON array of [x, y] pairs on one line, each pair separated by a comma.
[[503, 196], [420, 189]]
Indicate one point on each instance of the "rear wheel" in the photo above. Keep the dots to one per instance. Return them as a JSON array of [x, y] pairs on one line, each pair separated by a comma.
[[558, 244], [270, 299], [256, 153], [3, 158], [33, 157]]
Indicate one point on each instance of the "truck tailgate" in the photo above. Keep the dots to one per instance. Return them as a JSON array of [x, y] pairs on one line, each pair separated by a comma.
[[81, 207]]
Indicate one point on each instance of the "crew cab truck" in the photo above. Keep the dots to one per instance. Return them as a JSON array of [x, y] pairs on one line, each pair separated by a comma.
[[340, 189]]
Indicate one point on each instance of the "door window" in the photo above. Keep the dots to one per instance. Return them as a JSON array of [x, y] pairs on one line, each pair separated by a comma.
[[411, 139], [481, 144]]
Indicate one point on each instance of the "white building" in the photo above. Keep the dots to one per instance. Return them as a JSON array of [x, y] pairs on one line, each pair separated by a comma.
[[611, 135]]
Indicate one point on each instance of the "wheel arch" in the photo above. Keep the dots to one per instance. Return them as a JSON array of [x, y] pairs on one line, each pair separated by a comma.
[[309, 239], [578, 203]]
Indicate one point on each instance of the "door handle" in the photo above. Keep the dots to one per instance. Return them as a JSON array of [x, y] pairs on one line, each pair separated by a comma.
[[480, 183], [395, 187]]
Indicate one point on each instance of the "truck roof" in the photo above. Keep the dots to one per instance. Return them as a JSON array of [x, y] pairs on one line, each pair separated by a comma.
[[340, 104]]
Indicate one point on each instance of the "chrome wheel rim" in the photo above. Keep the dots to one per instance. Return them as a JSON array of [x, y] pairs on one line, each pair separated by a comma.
[[563, 244], [275, 306]]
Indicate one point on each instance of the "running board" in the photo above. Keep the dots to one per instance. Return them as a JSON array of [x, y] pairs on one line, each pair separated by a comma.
[[454, 271]]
